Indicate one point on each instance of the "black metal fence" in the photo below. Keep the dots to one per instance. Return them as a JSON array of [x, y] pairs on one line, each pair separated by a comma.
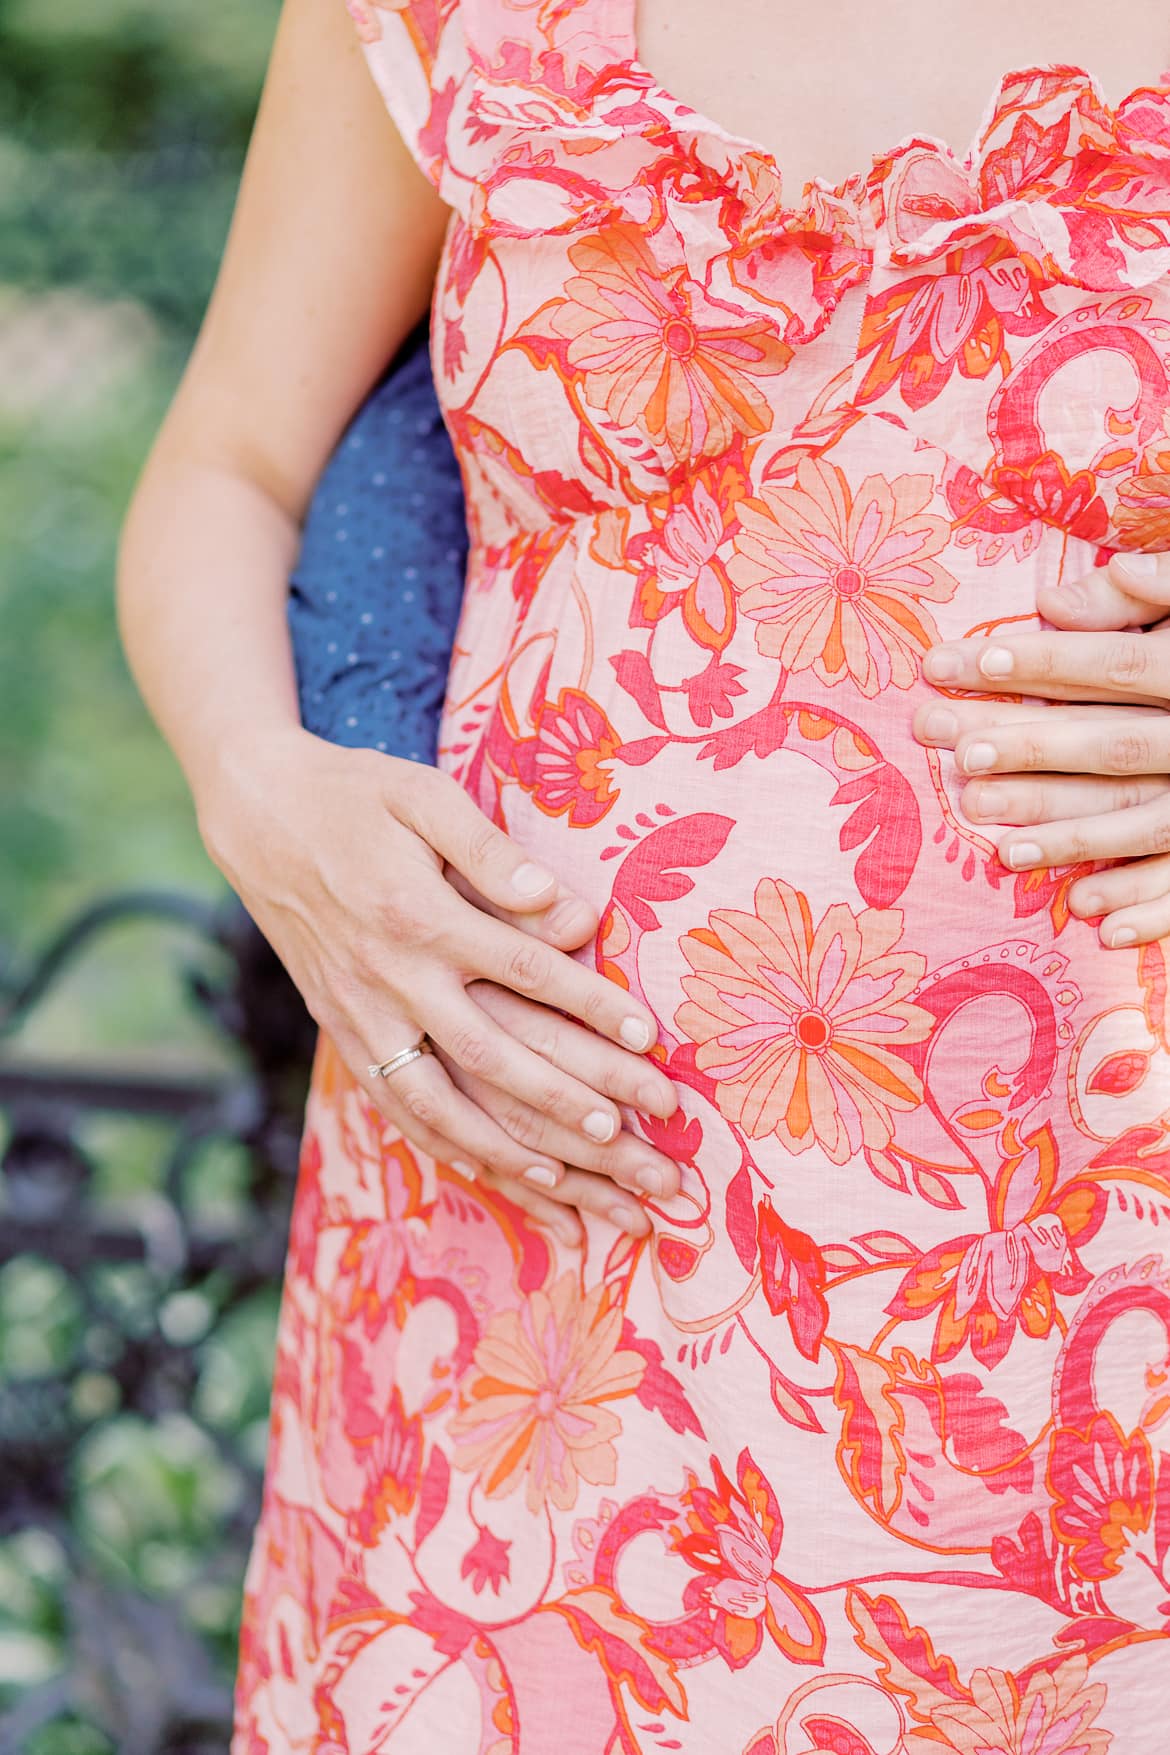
[[132, 1415]]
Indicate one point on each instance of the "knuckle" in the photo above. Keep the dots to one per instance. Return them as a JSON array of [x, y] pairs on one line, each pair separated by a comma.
[[474, 1051], [1127, 753], [550, 1098], [1032, 753], [596, 1003], [521, 1124], [1158, 837], [412, 791], [482, 843], [397, 920], [527, 967], [1127, 795], [1126, 663], [421, 1104]]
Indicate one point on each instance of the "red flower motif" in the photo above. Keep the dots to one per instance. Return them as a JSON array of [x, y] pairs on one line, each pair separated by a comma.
[[563, 766], [1046, 488], [734, 1537], [793, 1273], [487, 1562], [389, 1444], [1102, 1486]]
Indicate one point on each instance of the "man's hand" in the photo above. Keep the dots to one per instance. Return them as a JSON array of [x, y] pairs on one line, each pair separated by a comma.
[[1089, 780]]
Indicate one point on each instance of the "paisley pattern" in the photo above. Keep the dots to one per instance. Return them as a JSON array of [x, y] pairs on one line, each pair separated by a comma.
[[866, 1450]]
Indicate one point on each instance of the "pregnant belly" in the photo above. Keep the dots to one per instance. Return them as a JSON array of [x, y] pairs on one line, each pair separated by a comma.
[[702, 720]]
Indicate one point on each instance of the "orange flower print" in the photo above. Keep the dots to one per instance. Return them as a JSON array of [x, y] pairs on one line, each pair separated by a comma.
[[564, 765], [732, 1540], [800, 1025], [1051, 1714], [534, 1412], [655, 352], [837, 578]]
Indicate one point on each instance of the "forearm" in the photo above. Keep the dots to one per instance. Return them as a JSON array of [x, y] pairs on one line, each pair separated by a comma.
[[203, 567]]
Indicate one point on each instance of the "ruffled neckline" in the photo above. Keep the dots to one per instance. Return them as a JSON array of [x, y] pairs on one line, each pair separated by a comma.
[[1079, 189]]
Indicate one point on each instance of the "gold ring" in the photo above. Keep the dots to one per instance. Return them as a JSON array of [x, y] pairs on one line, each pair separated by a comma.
[[402, 1058]]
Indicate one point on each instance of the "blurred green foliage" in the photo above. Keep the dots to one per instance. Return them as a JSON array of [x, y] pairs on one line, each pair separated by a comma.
[[122, 131]]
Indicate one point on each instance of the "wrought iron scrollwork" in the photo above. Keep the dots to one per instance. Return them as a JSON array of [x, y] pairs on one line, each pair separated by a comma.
[[153, 1286]]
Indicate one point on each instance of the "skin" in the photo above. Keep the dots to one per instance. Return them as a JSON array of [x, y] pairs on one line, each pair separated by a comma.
[[1081, 781], [396, 906]]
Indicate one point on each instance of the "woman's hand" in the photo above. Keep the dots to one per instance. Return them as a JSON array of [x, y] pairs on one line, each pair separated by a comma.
[[339, 855], [1090, 780]]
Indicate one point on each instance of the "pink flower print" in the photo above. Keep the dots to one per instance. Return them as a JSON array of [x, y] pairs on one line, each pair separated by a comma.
[[800, 1025], [924, 327], [733, 1538], [999, 1267], [535, 1413], [565, 765], [655, 352], [1051, 1714], [683, 568], [838, 580], [986, 1287]]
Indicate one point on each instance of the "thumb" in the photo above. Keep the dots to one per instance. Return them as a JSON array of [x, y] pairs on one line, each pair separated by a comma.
[[436, 807], [1132, 591], [566, 923]]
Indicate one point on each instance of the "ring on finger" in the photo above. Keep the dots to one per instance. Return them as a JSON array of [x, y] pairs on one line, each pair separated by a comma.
[[383, 1069]]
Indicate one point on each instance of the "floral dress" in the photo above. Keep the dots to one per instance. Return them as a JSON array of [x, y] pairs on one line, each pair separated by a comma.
[[865, 1449]]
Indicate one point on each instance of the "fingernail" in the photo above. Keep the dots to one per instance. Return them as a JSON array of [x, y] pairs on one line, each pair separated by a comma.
[[1088, 905], [1138, 570], [1073, 598], [942, 666], [997, 661], [979, 757], [462, 1169], [635, 1033], [1125, 935], [568, 1233], [1021, 854], [530, 880], [541, 1175], [599, 1126], [625, 1218], [940, 726]]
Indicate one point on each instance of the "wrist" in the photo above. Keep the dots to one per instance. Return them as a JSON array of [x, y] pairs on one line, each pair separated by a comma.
[[239, 782]]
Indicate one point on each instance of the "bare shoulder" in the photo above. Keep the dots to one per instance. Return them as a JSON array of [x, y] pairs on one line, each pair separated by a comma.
[[328, 265]]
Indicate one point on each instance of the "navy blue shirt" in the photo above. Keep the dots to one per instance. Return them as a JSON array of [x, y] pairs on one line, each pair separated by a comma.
[[375, 593]]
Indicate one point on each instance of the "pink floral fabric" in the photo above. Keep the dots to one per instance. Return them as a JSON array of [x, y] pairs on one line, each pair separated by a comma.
[[866, 1449]]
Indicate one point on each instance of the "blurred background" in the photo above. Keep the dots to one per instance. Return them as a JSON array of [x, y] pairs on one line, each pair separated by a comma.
[[152, 1057]]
